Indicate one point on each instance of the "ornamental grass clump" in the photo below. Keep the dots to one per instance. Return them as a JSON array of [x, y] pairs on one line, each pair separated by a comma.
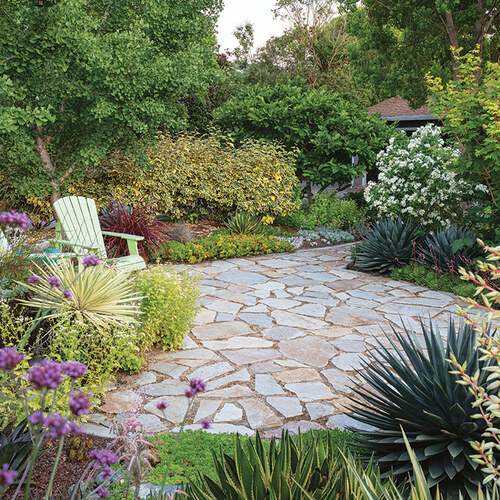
[[417, 180], [415, 391]]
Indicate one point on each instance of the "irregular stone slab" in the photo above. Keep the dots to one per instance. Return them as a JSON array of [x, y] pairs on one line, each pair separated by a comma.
[[223, 265], [352, 316], [281, 294], [238, 289], [235, 391], [121, 401], [296, 290], [333, 332], [357, 302], [408, 310], [345, 422], [239, 376], [171, 369], [213, 283], [315, 310], [236, 343], [258, 319], [145, 378], [342, 285], [431, 294], [260, 308], [283, 333], [270, 285], [375, 288], [349, 345], [266, 367], [242, 278], [310, 350], [224, 306], [266, 385], [286, 405], [98, 430], [328, 258], [216, 331], [339, 380], [303, 425], [151, 423], [221, 428], [211, 371], [207, 407], [259, 415], [310, 391], [308, 268], [317, 300], [425, 301], [262, 294], [298, 375], [286, 318], [290, 363], [318, 410], [275, 303], [204, 354], [245, 356], [229, 413], [277, 263], [189, 343], [165, 388], [403, 322], [296, 281], [348, 361], [205, 316], [223, 317], [316, 277], [237, 297]]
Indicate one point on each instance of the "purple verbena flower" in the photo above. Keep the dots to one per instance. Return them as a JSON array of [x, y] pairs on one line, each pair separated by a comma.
[[197, 385], [67, 293], [53, 281], [15, 218], [75, 369], [46, 375], [34, 279], [74, 429], [57, 425], [36, 417], [90, 260], [161, 405], [10, 358], [79, 403], [7, 476], [103, 492], [104, 457], [205, 423], [107, 473]]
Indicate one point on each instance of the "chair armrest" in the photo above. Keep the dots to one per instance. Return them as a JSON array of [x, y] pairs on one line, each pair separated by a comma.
[[74, 244], [123, 236]]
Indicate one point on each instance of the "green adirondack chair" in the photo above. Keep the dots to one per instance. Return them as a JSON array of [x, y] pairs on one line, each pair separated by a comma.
[[79, 221]]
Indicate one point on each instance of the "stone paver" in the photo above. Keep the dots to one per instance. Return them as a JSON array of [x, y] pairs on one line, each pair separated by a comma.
[[279, 340]]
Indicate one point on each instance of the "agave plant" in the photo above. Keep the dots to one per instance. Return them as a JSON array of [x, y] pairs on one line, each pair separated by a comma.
[[415, 391], [98, 293], [16, 447], [245, 223], [449, 249], [387, 245]]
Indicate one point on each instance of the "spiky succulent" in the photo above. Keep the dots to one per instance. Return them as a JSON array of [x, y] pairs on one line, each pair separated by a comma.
[[387, 245], [414, 391], [448, 249], [245, 223]]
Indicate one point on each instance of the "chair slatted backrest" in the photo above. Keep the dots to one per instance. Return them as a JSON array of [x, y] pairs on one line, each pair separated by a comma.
[[80, 223]]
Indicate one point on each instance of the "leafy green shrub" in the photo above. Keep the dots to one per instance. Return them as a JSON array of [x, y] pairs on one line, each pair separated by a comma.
[[203, 174], [387, 245], [443, 281], [169, 305], [244, 223], [416, 392], [448, 249], [221, 246]]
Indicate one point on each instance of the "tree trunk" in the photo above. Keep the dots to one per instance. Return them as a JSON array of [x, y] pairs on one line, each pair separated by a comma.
[[309, 193], [452, 36]]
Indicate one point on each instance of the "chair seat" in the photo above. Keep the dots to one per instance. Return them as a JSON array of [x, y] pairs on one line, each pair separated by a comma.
[[130, 262]]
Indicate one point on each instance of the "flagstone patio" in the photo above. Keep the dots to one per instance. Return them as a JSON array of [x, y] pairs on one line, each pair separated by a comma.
[[278, 340]]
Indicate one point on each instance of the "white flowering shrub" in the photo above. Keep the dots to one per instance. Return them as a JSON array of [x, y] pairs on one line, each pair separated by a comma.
[[417, 180]]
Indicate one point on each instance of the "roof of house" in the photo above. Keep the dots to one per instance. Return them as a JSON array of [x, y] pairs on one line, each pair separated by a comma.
[[396, 107]]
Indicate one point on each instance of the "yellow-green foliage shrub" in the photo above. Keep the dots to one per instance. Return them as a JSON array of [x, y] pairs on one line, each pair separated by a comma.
[[169, 306], [204, 173]]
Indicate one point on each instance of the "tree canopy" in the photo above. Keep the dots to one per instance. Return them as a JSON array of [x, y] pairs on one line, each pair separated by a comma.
[[81, 77]]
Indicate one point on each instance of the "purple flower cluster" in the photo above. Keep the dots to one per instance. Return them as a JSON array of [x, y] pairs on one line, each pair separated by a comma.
[[162, 405], [53, 281], [90, 260], [103, 492], [36, 417], [104, 457], [15, 218], [34, 279], [10, 358], [67, 293], [75, 369], [56, 424], [205, 423], [195, 386], [107, 473], [46, 375], [79, 403], [7, 476]]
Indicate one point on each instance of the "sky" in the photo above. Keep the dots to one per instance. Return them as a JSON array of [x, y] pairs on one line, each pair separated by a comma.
[[257, 12]]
